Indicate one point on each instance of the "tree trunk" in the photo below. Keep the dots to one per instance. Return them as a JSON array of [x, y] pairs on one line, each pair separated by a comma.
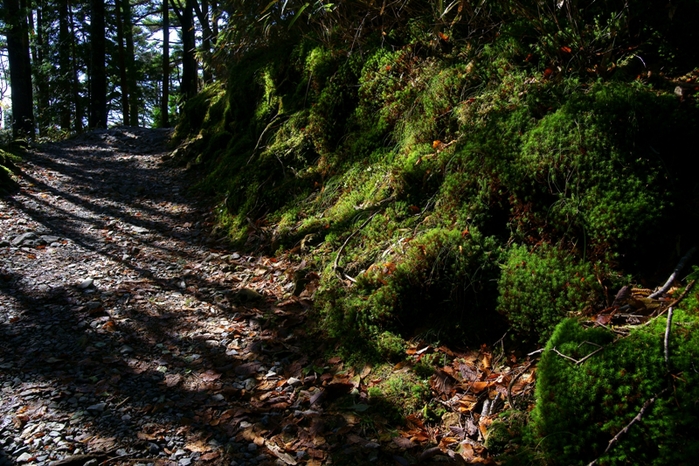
[[121, 62], [98, 74], [20, 69], [131, 72], [63, 88], [39, 52], [206, 43], [75, 80], [164, 107], [189, 61]]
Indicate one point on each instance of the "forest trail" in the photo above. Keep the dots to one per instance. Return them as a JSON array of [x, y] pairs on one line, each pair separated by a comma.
[[128, 335]]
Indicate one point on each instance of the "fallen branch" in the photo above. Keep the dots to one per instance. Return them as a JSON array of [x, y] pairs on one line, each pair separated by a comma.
[[673, 276], [636, 418], [667, 340], [686, 291]]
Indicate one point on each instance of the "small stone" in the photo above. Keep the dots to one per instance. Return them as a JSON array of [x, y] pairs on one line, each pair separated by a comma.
[[184, 461], [97, 407], [252, 447], [250, 384], [87, 283], [24, 457], [293, 381], [49, 238], [24, 237]]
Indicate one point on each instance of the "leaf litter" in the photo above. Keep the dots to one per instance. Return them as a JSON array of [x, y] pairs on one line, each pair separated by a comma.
[[129, 334]]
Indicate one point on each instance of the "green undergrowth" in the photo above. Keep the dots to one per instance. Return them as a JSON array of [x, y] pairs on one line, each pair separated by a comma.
[[581, 407], [8, 160], [446, 196], [451, 181]]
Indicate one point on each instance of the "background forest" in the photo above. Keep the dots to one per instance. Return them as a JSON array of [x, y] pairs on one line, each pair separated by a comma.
[[448, 172]]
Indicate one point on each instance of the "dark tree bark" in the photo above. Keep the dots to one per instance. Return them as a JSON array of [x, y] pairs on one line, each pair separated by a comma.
[[164, 107], [64, 81], [188, 88], [98, 74], [39, 52], [206, 42], [20, 69], [75, 81]]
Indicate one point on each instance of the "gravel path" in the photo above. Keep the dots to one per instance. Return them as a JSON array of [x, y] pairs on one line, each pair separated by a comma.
[[128, 335]]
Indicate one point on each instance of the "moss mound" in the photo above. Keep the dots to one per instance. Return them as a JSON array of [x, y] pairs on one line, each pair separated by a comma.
[[582, 407], [446, 188]]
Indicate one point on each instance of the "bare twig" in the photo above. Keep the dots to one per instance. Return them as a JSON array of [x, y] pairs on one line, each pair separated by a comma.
[[510, 400], [673, 276], [339, 252], [667, 339], [582, 360], [636, 418]]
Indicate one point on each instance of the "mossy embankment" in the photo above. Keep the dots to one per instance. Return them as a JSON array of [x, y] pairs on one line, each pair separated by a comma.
[[449, 188]]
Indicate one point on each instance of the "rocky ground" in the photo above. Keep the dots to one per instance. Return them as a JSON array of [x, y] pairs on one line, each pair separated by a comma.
[[129, 334], [126, 333]]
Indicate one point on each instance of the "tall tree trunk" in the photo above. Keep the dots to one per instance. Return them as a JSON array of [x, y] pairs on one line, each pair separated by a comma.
[[121, 63], [39, 52], [206, 43], [76, 82], [98, 74], [20, 69], [131, 74], [188, 88], [63, 89], [164, 107]]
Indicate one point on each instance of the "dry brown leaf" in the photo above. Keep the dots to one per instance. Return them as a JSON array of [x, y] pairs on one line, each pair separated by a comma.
[[477, 387], [210, 456], [197, 446]]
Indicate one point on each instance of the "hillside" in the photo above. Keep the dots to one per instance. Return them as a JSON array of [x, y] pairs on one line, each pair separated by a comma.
[[450, 175]]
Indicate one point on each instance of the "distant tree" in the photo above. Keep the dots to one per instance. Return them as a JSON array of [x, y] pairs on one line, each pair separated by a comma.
[[164, 101], [64, 69], [185, 13], [17, 33], [98, 75]]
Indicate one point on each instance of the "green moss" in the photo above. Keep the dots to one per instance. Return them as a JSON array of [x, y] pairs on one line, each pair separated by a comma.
[[539, 287], [437, 185], [580, 407]]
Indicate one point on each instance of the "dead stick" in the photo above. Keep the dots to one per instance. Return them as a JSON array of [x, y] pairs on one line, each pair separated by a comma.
[[510, 401], [678, 269], [339, 253], [667, 339], [636, 418]]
